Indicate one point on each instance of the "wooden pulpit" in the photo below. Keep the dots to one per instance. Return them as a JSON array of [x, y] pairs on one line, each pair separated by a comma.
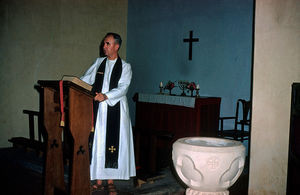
[[78, 107]]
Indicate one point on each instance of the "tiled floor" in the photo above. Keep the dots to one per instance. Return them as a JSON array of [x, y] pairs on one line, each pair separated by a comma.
[[21, 173]]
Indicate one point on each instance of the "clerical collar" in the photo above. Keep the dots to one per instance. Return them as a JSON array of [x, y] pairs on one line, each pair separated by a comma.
[[112, 61]]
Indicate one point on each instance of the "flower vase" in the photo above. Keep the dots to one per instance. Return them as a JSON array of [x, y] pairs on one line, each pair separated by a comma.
[[192, 93], [170, 91]]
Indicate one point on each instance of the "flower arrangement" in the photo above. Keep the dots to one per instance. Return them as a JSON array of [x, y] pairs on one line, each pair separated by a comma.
[[170, 85], [182, 85], [191, 86]]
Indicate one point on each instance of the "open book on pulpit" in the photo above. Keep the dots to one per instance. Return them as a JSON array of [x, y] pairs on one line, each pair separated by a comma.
[[77, 81]]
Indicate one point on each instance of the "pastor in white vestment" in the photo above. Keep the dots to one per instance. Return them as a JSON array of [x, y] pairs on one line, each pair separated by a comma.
[[126, 162]]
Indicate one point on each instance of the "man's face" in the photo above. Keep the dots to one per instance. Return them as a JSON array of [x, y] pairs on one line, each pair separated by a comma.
[[110, 48]]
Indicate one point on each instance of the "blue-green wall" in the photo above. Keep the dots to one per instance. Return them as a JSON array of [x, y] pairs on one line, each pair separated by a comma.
[[221, 61]]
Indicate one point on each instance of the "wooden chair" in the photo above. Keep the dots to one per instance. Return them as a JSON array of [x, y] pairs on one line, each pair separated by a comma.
[[239, 132], [31, 143]]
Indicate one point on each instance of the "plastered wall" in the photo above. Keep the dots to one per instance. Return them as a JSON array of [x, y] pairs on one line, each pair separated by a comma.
[[221, 60], [43, 40], [276, 67]]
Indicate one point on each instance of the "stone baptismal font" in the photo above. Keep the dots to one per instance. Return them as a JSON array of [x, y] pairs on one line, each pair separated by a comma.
[[208, 165]]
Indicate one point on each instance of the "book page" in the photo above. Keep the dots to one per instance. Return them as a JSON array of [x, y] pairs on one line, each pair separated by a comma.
[[77, 81]]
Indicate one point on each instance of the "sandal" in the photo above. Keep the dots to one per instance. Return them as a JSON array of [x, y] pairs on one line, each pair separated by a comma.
[[112, 190], [96, 187]]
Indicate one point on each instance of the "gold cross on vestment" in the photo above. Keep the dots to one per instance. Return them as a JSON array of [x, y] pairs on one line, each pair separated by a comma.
[[112, 149]]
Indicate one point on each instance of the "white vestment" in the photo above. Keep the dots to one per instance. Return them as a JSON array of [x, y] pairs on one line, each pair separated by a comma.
[[126, 161]]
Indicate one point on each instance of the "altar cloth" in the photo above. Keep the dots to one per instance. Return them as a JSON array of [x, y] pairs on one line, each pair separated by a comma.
[[167, 99]]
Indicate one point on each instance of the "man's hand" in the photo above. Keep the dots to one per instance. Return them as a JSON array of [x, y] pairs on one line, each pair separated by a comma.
[[100, 97]]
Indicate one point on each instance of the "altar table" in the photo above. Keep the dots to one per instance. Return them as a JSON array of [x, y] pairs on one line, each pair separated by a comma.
[[177, 116], [184, 116]]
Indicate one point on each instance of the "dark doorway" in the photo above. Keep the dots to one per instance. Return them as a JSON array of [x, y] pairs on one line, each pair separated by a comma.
[[294, 142]]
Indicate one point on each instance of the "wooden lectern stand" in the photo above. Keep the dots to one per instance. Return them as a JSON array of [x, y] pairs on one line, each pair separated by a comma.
[[78, 106]]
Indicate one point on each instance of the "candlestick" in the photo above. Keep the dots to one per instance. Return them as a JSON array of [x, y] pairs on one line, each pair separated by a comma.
[[161, 84], [197, 93]]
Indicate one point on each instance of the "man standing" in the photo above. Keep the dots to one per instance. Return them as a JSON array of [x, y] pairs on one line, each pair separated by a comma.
[[112, 154]]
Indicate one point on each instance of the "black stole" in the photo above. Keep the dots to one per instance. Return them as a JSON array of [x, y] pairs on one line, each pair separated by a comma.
[[113, 115]]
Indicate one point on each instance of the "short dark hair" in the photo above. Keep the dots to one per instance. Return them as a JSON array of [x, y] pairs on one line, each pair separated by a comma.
[[116, 36]]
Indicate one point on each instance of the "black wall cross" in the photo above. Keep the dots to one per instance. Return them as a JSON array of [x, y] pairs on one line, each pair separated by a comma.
[[191, 40]]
